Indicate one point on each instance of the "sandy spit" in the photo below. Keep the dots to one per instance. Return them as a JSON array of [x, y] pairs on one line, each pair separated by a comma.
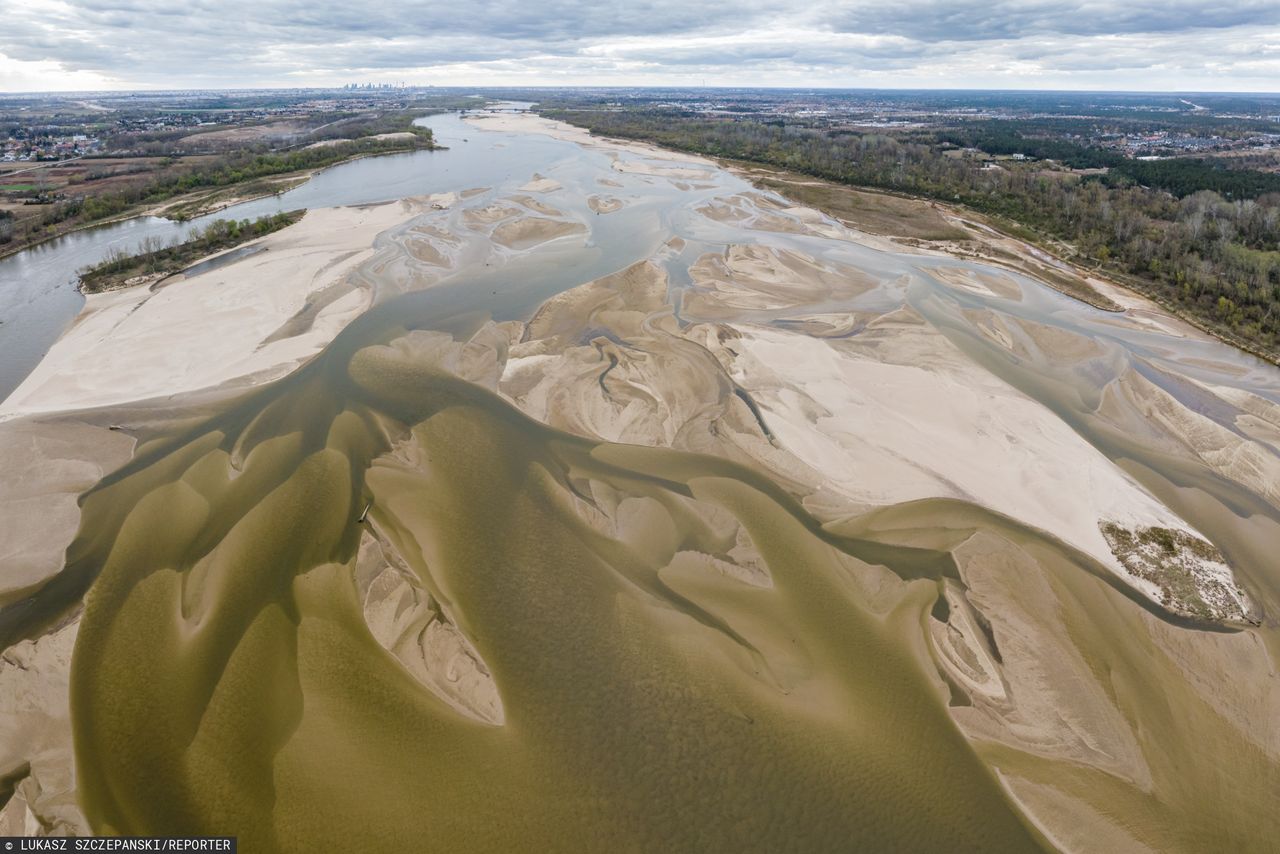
[[136, 344]]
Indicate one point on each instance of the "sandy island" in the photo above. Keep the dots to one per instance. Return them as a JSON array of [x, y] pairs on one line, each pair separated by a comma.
[[135, 343]]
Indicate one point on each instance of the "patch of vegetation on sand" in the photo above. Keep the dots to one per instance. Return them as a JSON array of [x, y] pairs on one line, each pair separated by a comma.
[[1192, 575], [122, 269]]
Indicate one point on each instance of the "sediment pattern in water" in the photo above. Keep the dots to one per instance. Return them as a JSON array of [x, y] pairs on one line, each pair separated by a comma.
[[225, 679]]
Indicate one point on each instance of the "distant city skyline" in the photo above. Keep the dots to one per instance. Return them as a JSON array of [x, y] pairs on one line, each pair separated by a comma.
[[67, 45]]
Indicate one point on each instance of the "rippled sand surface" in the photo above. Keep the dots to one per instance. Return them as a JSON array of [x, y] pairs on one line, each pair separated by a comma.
[[706, 524]]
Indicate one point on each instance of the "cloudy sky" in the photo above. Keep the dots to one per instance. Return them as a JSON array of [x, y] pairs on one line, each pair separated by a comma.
[[1226, 45]]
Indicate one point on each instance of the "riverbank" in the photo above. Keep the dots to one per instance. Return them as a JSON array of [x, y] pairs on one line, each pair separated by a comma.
[[1224, 299], [203, 201], [989, 241], [922, 223], [909, 221]]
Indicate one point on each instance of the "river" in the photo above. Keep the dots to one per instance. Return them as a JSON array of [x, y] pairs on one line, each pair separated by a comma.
[[224, 671]]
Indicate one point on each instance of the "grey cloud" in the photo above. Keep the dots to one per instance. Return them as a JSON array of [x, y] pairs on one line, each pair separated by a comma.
[[555, 20], [782, 42], [978, 20]]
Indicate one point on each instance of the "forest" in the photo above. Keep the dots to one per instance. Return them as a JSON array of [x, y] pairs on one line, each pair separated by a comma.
[[1200, 238], [1181, 176], [228, 170]]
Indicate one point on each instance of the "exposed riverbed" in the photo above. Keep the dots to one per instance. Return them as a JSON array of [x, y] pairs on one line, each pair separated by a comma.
[[636, 508]]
